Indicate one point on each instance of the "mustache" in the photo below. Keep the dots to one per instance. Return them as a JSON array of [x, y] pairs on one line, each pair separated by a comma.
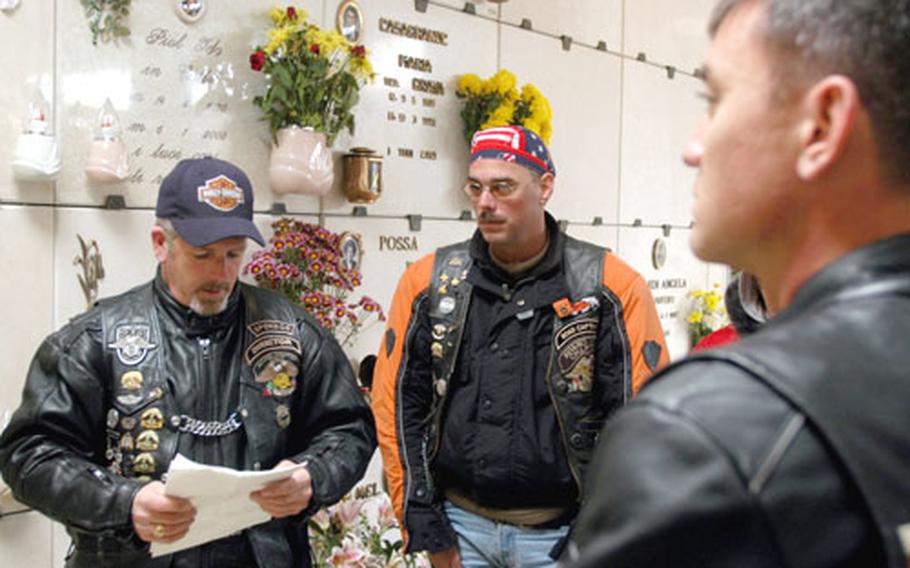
[[488, 216], [221, 286]]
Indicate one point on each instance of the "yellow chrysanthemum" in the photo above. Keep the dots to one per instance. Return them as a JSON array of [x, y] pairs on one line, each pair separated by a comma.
[[469, 84], [546, 131], [277, 15], [502, 116], [505, 82], [712, 301], [529, 93], [277, 38], [361, 67], [695, 317]]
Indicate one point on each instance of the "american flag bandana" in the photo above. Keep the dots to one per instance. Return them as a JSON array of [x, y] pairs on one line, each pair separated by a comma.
[[514, 144]]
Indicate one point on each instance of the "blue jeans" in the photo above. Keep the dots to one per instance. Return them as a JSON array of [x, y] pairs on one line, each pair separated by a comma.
[[483, 543]]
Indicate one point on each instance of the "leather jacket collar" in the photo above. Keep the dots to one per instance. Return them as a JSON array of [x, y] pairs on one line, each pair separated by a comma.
[[877, 261], [184, 317]]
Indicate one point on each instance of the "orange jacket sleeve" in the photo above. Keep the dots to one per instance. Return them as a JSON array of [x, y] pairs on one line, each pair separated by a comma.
[[647, 344], [388, 372]]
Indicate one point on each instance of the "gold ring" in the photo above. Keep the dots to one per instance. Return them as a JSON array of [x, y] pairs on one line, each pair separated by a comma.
[[159, 530]]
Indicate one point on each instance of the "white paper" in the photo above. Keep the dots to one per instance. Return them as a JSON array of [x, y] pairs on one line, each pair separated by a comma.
[[222, 499]]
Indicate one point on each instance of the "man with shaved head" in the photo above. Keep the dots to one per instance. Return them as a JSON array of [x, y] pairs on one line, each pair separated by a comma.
[[791, 447]]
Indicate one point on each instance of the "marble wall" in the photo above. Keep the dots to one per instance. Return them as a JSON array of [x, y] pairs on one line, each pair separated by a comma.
[[618, 73]]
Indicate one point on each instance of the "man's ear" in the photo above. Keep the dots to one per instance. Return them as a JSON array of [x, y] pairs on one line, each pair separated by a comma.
[[547, 184], [830, 110], [159, 243]]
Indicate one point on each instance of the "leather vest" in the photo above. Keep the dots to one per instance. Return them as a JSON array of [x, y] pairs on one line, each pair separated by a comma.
[[836, 397], [143, 421], [574, 339]]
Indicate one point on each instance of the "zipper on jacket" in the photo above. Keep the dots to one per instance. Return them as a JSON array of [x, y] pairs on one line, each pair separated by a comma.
[[205, 374]]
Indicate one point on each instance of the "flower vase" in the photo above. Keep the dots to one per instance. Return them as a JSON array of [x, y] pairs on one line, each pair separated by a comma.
[[301, 162]]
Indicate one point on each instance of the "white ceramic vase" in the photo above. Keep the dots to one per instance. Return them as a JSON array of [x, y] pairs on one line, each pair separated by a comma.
[[301, 162]]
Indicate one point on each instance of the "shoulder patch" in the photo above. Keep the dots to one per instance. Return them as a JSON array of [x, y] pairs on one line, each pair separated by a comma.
[[389, 341], [651, 350]]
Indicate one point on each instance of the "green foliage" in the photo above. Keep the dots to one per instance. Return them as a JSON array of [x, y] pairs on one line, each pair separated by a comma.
[[314, 76], [105, 19]]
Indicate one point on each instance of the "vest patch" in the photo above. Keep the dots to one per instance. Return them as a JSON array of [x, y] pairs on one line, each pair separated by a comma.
[[269, 343], [651, 351], [272, 326], [132, 343], [574, 344]]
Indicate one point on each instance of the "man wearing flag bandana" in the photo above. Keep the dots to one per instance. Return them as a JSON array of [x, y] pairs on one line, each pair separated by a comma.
[[503, 358]]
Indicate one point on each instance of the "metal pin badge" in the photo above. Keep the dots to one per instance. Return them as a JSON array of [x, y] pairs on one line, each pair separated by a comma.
[[131, 380], [447, 305]]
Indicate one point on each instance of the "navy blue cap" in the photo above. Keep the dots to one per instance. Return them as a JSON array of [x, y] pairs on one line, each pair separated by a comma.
[[207, 200]]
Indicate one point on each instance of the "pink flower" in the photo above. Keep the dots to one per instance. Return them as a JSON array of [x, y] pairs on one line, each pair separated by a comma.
[[347, 556], [321, 518], [348, 510], [386, 513], [292, 13], [314, 48], [359, 51]]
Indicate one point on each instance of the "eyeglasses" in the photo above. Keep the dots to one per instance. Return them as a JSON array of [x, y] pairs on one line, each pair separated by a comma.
[[499, 189]]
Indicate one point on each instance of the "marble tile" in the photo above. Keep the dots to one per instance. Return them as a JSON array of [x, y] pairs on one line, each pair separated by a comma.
[[179, 90], [424, 166], [659, 116], [27, 69], [670, 284], [126, 252], [25, 541], [604, 236], [28, 286], [586, 21], [583, 87], [668, 32]]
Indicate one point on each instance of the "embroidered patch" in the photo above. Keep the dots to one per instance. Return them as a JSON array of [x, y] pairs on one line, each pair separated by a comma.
[[132, 343], [269, 366], [270, 343], [651, 350], [389, 342], [281, 385], [574, 345], [272, 326], [220, 193]]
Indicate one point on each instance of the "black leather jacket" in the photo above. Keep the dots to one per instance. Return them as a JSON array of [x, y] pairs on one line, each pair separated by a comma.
[[115, 394], [570, 369], [787, 449]]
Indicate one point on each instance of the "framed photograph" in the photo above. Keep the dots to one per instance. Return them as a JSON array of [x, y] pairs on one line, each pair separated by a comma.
[[351, 246], [349, 21]]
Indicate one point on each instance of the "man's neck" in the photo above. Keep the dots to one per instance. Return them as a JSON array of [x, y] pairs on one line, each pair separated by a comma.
[[519, 266], [525, 252], [827, 236]]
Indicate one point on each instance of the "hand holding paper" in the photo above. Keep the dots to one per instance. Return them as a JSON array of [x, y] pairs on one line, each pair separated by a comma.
[[222, 498], [288, 496]]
